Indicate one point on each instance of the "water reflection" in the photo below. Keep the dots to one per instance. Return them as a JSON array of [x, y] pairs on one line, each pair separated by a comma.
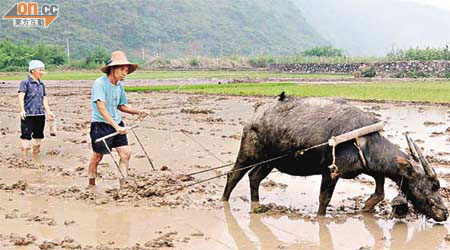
[[424, 235], [107, 221], [424, 238], [391, 235], [266, 239], [235, 230]]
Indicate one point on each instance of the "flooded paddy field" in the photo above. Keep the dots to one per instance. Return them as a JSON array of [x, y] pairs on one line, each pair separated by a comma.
[[46, 203]]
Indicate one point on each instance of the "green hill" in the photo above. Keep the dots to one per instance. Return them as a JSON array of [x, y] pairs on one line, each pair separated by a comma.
[[174, 27]]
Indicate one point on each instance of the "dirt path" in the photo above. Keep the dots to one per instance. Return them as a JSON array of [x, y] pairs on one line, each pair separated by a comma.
[[49, 206]]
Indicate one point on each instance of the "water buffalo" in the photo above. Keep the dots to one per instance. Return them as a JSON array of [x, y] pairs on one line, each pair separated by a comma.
[[298, 123]]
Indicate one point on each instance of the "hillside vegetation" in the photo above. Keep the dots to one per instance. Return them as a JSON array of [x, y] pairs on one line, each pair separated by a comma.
[[174, 27]]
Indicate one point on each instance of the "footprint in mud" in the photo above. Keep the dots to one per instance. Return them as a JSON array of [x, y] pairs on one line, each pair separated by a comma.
[[20, 185], [17, 240], [270, 184], [432, 124], [44, 220], [69, 222], [163, 241], [436, 134]]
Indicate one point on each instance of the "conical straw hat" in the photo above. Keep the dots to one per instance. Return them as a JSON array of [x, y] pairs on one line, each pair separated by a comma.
[[119, 58]]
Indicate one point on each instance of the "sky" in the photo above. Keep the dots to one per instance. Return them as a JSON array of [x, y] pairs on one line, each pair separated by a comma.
[[441, 4]]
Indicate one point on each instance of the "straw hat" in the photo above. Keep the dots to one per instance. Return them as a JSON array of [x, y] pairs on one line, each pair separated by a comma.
[[119, 58]]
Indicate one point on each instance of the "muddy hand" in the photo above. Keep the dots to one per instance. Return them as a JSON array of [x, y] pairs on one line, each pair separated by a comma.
[[51, 116], [142, 115], [121, 130]]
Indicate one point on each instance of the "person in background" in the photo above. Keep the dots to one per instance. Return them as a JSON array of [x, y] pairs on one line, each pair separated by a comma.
[[34, 106]]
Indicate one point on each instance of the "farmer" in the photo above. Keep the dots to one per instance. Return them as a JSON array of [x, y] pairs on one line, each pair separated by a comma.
[[107, 99], [33, 104]]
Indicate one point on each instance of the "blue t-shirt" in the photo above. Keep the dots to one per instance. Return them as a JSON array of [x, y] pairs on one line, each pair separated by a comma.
[[34, 96], [112, 95]]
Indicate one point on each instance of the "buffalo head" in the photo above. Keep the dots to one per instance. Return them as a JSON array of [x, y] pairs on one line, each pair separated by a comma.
[[420, 184]]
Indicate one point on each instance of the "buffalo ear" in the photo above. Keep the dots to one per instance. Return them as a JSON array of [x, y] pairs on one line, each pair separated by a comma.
[[405, 167]]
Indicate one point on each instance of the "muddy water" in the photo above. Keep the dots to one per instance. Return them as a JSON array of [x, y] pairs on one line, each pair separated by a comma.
[[430, 125], [56, 206]]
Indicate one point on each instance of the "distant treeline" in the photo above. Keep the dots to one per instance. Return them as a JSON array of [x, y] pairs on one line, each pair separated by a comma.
[[417, 54], [14, 56]]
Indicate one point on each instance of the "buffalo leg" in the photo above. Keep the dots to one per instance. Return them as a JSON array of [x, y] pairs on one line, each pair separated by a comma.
[[376, 197], [234, 177], [326, 192], [255, 177], [247, 155]]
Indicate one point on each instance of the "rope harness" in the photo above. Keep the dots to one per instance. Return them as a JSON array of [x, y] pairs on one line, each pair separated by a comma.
[[333, 142]]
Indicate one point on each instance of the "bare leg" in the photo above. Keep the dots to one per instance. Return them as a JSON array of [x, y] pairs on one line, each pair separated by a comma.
[[92, 169], [376, 197], [36, 150], [326, 192], [125, 155], [36, 146], [26, 146]]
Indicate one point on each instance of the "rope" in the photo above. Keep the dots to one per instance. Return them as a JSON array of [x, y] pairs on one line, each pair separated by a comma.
[[198, 143], [143, 149], [229, 172], [210, 169]]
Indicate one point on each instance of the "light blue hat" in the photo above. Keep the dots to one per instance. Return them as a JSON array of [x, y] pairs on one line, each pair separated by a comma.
[[35, 64]]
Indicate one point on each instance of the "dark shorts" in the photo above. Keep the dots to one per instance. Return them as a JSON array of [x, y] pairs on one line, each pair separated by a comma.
[[100, 129], [32, 127]]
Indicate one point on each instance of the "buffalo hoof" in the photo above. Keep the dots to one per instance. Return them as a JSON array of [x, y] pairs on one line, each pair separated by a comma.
[[368, 210], [254, 205]]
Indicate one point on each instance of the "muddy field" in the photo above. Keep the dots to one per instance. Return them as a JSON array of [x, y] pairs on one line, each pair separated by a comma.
[[46, 204]]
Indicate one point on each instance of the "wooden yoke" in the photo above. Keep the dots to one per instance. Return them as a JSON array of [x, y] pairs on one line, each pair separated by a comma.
[[354, 134], [335, 140]]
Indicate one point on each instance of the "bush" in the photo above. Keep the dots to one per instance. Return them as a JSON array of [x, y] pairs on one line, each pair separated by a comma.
[[98, 57], [368, 72], [412, 74], [326, 51], [417, 54], [194, 62], [261, 61], [446, 74]]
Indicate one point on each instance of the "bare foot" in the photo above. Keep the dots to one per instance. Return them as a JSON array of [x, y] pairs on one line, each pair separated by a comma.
[[25, 154], [36, 150], [37, 159], [91, 182], [122, 183]]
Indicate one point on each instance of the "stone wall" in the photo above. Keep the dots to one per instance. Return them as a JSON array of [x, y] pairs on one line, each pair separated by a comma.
[[388, 69]]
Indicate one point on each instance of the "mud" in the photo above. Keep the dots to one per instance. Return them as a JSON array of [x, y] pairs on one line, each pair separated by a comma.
[[45, 203]]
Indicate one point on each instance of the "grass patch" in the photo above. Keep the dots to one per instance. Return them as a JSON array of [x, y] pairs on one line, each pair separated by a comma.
[[154, 75], [435, 92]]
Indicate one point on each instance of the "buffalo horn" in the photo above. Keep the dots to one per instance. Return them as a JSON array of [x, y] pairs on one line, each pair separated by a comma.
[[426, 165], [412, 149]]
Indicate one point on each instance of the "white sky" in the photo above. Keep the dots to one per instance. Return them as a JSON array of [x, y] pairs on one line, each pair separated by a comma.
[[441, 4]]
